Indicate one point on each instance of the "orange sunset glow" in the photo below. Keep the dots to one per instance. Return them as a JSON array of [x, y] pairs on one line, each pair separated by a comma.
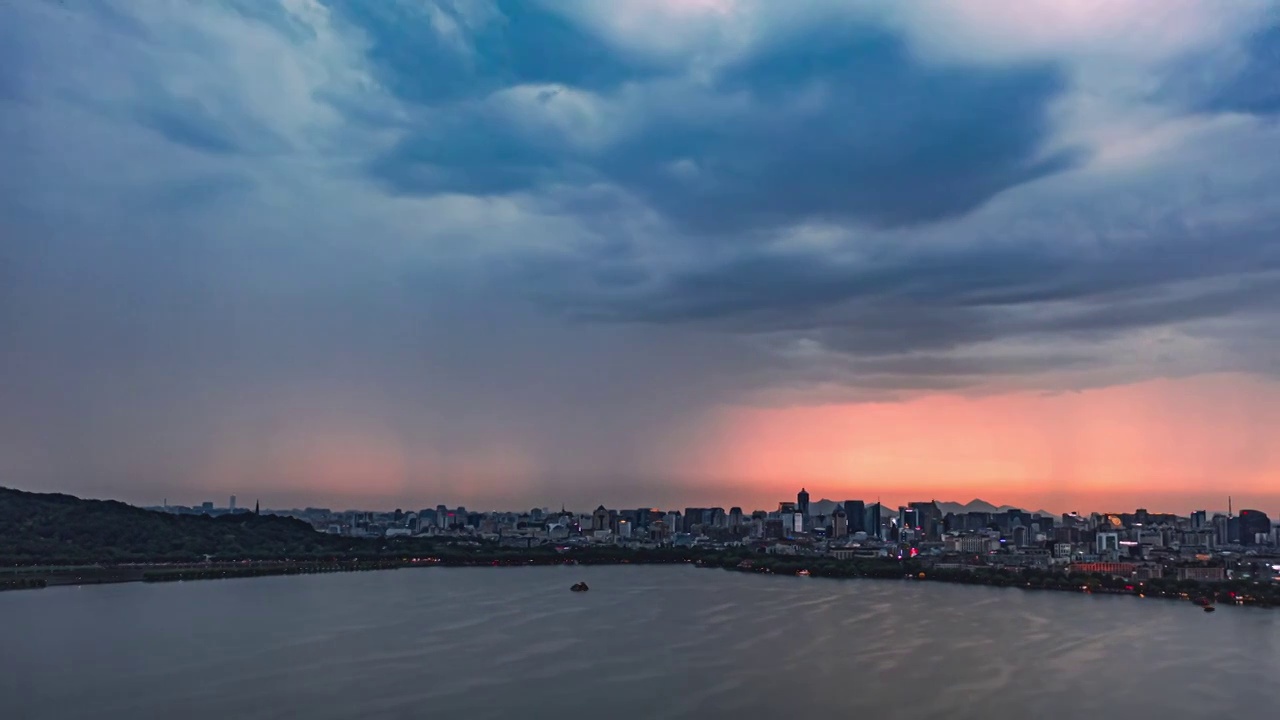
[[1172, 444], [1168, 445]]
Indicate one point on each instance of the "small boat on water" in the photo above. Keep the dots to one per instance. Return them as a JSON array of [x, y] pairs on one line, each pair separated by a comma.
[[1209, 608], [803, 573], [579, 587]]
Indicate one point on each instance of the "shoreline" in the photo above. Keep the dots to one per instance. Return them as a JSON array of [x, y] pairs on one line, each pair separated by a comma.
[[54, 576], [1263, 595]]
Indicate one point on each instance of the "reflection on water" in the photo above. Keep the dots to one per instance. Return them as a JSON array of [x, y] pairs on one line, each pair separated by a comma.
[[669, 642]]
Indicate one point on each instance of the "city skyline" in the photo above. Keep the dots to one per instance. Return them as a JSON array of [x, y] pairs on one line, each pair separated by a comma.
[[676, 251], [1231, 506], [857, 527]]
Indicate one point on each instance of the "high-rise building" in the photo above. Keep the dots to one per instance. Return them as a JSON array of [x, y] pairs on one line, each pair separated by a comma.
[[792, 521], [802, 502], [856, 512], [735, 517], [716, 517], [1252, 524], [909, 518], [1198, 519], [673, 522], [692, 517], [774, 529], [648, 516], [839, 523], [874, 523], [928, 519], [232, 506], [1021, 536], [206, 507], [1221, 529], [1018, 517]]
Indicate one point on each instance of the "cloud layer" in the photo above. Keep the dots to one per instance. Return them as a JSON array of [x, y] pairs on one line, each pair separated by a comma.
[[538, 246]]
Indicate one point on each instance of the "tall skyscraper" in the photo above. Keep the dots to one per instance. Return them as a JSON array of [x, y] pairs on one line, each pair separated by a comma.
[[928, 519], [909, 519], [874, 521], [1222, 529], [673, 522], [856, 512], [692, 517], [802, 502], [232, 506], [1252, 524], [839, 523]]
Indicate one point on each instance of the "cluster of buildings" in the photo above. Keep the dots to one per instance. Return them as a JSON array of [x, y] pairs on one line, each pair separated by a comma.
[[1138, 545], [205, 508]]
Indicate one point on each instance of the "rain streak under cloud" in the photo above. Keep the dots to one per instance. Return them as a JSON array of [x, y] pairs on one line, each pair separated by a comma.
[[641, 253]]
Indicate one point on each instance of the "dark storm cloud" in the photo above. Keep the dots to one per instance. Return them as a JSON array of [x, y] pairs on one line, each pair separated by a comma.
[[206, 124], [432, 52], [840, 124], [932, 365], [186, 122], [1255, 86], [197, 191], [472, 153], [988, 276], [845, 125], [1240, 77], [885, 306]]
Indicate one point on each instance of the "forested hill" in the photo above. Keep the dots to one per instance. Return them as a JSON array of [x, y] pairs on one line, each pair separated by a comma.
[[38, 528]]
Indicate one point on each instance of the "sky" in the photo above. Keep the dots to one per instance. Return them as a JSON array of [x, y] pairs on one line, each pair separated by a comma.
[[641, 253]]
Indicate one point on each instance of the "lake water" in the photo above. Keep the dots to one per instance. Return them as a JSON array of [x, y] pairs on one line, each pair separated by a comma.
[[645, 642]]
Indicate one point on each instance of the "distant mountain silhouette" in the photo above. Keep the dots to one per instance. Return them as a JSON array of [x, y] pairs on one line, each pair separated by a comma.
[[826, 507], [823, 507], [978, 505]]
